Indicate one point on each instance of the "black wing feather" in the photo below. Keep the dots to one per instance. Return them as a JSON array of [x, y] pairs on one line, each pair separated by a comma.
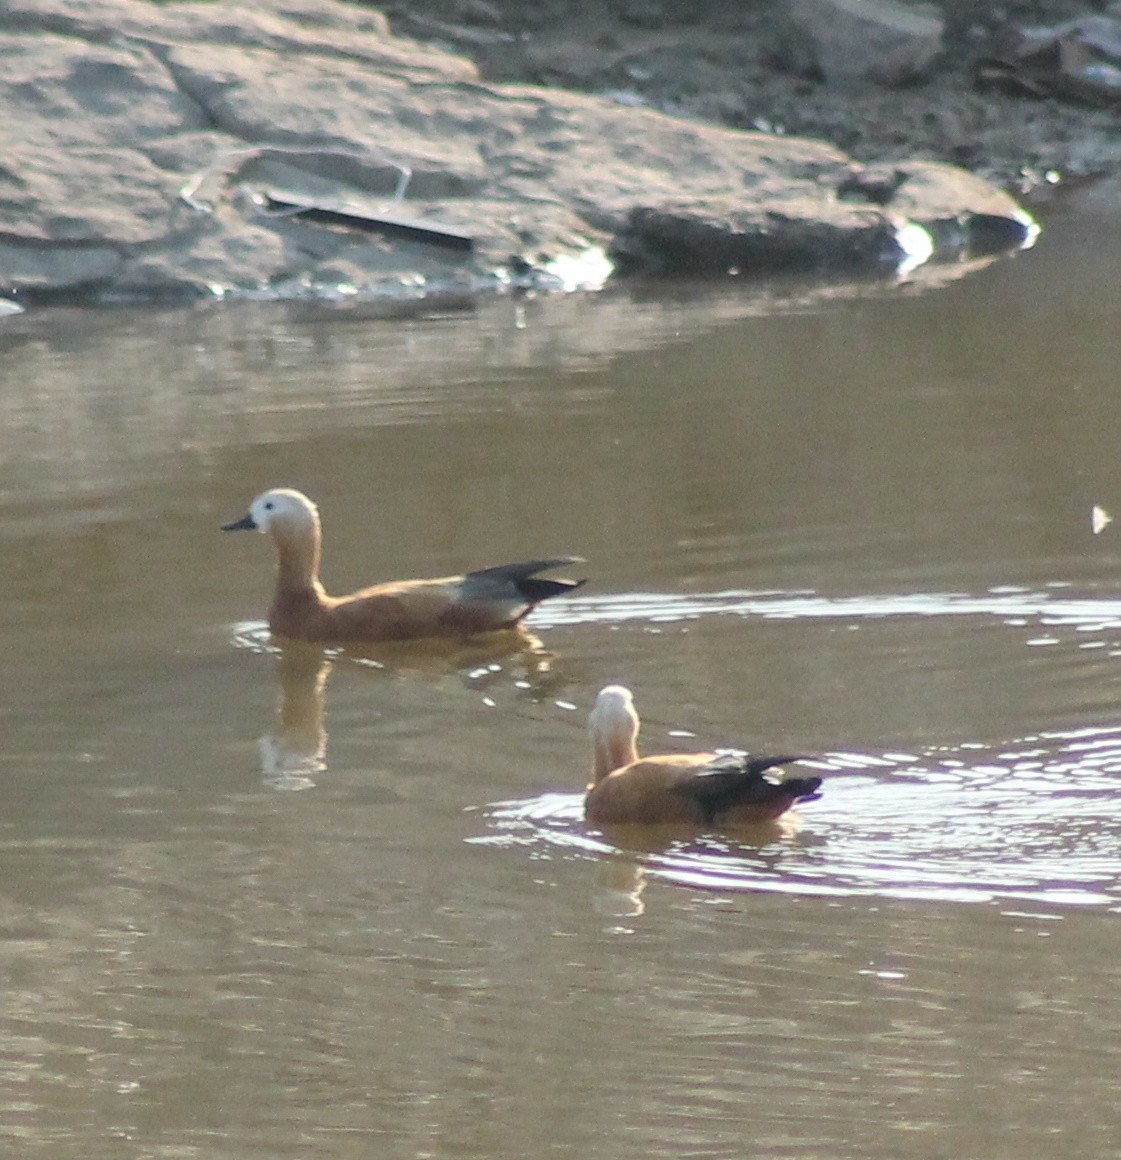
[[507, 579], [738, 780]]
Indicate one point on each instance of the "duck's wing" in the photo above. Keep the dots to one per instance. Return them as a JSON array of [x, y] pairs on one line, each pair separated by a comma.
[[518, 582], [736, 780]]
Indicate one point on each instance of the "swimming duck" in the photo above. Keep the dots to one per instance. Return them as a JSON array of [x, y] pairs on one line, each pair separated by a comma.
[[704, 789], [453, 606]]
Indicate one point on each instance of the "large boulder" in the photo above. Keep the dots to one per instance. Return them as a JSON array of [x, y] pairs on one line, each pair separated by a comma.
[[893, 42], [162, 148]]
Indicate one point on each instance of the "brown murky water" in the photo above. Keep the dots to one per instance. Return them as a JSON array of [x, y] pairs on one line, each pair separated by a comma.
[[264, 906]]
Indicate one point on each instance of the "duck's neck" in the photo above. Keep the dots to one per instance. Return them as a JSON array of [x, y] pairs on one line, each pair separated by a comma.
[[297, 563], [613, 746]]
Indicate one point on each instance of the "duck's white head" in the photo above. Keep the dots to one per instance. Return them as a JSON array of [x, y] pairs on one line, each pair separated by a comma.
[[613, 711], [613, 724], [282, 508], [614, 719]]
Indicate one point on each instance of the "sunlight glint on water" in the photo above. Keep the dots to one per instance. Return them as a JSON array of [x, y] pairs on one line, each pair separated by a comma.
[[961, 824]]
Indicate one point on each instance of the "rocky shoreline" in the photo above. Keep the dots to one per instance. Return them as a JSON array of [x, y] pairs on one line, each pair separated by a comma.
[[305, 148], [754, 66]]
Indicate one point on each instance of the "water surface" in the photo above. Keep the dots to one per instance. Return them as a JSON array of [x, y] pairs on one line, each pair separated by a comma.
[[261, 903]]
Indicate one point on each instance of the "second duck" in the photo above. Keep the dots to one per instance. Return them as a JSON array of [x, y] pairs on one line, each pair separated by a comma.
[[697, 789]]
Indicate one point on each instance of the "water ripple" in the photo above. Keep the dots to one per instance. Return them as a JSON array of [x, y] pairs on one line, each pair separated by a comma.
[[1035, 820], [1010, 605], [1047, 607]]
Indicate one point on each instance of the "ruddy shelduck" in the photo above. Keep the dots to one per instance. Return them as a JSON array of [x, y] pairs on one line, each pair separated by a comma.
[[699, 789], [453, 606]]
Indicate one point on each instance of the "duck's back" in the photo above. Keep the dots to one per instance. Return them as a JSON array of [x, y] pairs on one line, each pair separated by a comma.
[[696, 789], [450, 606], [643, 792]]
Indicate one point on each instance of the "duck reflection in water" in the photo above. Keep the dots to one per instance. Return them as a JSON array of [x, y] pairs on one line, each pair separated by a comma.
[[680, 853], [294, 752], [619, 887]]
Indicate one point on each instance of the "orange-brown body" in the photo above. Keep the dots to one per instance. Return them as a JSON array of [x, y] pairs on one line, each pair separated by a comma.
[[451, 606], [673, 789], [398, 610]]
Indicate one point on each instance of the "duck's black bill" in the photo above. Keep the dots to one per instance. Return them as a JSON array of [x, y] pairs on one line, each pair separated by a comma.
[[245, 524]]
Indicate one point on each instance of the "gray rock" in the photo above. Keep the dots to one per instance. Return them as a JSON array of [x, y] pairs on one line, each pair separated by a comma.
[[965, 215], [889, 41], [139, 143]]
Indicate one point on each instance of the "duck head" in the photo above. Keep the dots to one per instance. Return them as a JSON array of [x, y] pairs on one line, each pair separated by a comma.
[[613, 724], [281, 510]]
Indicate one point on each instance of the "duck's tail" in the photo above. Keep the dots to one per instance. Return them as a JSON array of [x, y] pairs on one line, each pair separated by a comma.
[[522, 578], [738, 780]]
